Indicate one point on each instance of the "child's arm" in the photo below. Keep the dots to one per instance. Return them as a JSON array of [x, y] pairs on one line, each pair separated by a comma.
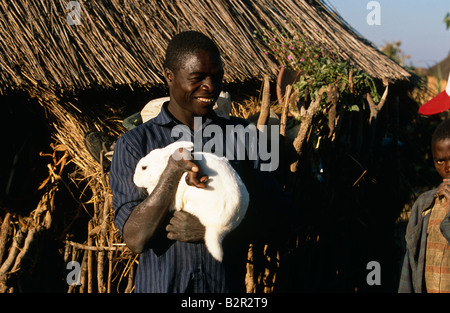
[[444, 191]]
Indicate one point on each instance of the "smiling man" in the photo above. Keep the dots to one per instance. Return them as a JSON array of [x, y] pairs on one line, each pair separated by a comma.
[[173, 256], [194, 77]]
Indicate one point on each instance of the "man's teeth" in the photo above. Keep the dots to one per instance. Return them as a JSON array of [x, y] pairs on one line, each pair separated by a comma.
[[209, 100]]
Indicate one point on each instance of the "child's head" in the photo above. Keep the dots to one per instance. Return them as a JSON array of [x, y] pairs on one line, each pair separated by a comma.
[[440, 144]]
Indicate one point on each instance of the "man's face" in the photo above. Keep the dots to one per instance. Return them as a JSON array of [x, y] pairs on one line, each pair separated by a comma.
[[195, 87], [441, 157]]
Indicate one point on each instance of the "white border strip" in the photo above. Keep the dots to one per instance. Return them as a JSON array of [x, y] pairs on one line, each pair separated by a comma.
[[447, 90]]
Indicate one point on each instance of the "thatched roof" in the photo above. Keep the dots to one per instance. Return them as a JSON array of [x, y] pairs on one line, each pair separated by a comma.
[[122, 42]]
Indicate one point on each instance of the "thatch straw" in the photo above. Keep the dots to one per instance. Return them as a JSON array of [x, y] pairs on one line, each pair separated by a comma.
[[122, 42]]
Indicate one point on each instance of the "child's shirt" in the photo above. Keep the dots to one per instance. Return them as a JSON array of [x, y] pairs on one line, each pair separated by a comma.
[[437, 261]]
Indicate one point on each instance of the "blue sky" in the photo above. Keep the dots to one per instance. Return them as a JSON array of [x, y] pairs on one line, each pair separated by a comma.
[[418, 24]]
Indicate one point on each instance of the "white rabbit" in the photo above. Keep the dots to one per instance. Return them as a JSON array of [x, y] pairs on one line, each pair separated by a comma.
[[220, 207]]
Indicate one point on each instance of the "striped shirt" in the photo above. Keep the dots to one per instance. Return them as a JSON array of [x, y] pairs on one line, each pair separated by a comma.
[[173, 266], [437, 262]]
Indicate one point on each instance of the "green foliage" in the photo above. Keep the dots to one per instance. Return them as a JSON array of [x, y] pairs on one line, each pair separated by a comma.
[[393, 51], [447, 20], [318, 66]]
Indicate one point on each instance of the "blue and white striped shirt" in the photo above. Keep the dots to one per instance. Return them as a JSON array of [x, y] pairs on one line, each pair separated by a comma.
[[173, 266]]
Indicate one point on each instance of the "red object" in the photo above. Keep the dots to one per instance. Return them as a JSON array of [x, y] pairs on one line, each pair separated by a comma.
[[438, 104], [285, 77]]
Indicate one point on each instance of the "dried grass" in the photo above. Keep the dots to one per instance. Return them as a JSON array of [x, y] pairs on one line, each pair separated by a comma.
[[122, 42]]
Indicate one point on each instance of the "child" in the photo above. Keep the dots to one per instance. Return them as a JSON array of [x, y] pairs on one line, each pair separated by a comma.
[[426, 267]]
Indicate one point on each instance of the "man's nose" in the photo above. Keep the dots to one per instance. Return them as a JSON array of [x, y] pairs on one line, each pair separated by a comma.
[[447, 166], [210, 84]]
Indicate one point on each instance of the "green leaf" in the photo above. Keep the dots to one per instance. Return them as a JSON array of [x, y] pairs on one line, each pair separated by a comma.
[[354, 108]]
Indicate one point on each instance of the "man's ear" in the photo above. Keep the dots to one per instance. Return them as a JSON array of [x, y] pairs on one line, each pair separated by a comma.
[[168, 74]]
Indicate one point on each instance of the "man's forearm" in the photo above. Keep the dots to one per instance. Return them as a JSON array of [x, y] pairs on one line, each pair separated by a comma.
[[146, 218]]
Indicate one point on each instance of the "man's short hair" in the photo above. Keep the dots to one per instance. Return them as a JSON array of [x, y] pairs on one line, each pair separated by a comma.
[[442, 131], [185, 44]]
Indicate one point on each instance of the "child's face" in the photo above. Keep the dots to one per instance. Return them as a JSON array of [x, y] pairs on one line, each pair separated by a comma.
[[441, 156]]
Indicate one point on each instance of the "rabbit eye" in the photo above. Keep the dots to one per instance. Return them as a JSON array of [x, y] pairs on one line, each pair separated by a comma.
[[144, 167]]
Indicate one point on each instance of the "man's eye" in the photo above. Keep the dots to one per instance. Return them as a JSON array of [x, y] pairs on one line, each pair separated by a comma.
[[196, 78], [439, 162]]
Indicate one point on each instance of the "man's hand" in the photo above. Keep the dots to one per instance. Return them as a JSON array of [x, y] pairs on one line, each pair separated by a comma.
[[185, 227], [182, 160]]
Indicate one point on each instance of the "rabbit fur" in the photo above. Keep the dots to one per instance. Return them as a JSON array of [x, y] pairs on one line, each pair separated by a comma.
[[220, 207]]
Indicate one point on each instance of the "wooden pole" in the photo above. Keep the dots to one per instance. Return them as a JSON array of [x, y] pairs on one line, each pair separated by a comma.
[[265, 104], [285, 110], [89, 259], [305, 126], [4, 234]]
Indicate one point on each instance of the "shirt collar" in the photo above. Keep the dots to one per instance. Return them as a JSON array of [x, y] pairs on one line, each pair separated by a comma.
[[166, 118]]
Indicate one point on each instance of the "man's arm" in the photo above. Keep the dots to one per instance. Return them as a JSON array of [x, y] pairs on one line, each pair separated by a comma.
[[147, 217]]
